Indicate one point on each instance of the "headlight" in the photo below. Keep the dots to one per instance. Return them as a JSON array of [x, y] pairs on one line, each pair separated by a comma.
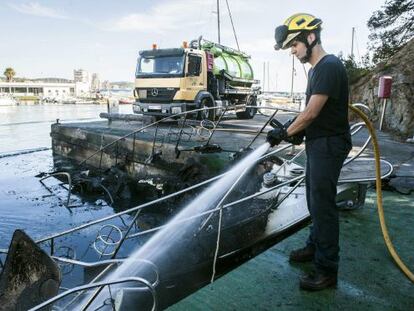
[[136, 108], [175, 110]]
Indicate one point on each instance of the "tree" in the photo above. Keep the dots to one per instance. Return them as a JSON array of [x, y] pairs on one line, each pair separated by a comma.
[[9, 73], [355, 70], [391, 28]]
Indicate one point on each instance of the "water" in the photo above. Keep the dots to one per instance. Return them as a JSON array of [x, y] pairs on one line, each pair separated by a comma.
[[28, 126], [164, 241], [24, 203]]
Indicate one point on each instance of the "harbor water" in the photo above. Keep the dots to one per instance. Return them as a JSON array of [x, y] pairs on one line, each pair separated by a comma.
[[28, 126], [25, 203]]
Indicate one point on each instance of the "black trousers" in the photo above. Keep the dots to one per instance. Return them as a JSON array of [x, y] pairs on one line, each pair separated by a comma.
[[325, 157]]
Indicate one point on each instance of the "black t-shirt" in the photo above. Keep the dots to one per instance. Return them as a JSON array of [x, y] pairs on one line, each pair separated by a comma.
[[329, 77]]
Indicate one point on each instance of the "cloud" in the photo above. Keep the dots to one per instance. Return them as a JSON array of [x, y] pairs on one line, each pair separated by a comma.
[[162, 18], [34, 8]]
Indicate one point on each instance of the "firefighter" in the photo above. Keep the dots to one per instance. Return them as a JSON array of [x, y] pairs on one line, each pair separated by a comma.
[[324, 123]]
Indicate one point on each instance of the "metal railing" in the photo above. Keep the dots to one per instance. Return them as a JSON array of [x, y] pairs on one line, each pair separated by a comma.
[[51, 238], [108, 283], [297, 181]]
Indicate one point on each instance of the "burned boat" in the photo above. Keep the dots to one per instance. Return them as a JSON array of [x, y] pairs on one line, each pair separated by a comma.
[[264, 207]]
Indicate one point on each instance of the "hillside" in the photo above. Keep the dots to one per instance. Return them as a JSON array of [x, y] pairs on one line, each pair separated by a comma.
[[399, 115]]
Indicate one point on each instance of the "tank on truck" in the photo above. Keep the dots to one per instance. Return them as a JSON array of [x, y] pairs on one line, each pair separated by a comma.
[[234, 77]]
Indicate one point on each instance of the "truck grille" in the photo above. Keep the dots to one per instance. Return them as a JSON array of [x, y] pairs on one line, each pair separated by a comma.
[[156, 95]]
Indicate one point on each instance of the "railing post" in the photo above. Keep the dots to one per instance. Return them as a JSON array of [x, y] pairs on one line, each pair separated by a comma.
[[133, 148], [216, 124], [177, 151], [52, 246], [116, 152], [100, 159]]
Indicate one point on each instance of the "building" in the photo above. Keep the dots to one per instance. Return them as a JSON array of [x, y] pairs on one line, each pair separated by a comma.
[[82, 89], [38, 89], [82, 83], [54, 88], [80, 75], [95, 83]]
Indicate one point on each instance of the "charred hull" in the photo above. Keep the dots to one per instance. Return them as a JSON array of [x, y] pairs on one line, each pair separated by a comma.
[[190, 265]]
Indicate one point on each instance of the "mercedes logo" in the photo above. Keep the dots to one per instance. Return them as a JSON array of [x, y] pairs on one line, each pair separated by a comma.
[[154, 92]]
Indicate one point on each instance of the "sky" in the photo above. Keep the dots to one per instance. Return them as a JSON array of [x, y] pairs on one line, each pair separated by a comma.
[[48, 38]]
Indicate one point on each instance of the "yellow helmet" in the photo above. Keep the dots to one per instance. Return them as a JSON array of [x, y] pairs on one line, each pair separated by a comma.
[[293, 27]]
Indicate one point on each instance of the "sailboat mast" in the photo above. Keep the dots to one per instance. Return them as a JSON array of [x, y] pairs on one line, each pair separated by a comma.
[[218, 20], [264, 76], [352, 42]]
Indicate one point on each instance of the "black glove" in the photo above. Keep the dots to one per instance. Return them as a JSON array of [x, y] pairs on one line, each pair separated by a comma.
[[275, 136], [296, 139]]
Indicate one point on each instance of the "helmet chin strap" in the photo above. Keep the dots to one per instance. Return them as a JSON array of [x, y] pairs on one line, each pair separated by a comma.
[[309, 48]]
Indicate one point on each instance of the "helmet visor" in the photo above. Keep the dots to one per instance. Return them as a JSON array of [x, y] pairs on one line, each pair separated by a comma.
[[281, 33]]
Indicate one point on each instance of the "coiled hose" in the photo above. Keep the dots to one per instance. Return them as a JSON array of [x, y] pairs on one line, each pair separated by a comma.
[[384, 229]]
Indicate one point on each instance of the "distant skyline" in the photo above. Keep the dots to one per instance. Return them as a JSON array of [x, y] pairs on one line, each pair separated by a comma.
[[48, 38]]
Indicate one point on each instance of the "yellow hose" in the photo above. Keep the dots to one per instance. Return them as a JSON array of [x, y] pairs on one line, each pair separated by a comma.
[[384, 229]]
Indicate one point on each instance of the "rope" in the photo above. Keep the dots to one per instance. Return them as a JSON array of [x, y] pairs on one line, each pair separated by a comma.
[[217, 245]]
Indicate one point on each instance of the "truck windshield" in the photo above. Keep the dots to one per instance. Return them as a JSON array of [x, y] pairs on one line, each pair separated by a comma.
[[170, 66]]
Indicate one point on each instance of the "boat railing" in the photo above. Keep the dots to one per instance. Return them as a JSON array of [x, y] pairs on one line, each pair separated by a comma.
[[100, 284], [50, 239], [292, 182]]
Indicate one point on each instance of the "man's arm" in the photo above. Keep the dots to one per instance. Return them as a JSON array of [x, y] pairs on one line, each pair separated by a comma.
[[312, 110]]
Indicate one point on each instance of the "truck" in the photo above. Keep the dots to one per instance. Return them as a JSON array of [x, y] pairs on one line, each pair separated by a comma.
[[200, 75]]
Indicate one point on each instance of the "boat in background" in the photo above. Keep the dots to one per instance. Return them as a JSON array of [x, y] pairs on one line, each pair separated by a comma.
[[126, 101], [7, 100]]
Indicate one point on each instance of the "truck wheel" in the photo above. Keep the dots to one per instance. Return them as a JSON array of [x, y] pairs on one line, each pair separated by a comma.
[[249, 112], [209, 114]]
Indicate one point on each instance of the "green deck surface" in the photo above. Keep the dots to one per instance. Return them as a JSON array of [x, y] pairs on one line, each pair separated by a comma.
[[368, 277]]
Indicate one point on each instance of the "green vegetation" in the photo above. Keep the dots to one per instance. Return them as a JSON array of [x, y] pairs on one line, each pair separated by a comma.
[[9, 74], [391, 28], [355, 70]]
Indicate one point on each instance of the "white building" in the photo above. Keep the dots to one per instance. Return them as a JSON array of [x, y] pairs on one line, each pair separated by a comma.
[[95, 83], [40, 89], [82, 83], [80, 75], [82, 89]]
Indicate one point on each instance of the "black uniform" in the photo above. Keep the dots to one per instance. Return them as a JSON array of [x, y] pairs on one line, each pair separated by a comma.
[[328, 142]]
